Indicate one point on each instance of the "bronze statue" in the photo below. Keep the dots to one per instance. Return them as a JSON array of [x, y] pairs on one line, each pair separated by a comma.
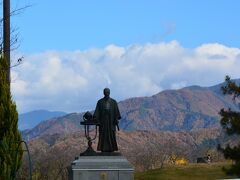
[[107, 114]]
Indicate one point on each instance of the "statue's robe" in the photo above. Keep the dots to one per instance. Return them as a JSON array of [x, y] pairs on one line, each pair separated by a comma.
[[107, 114]]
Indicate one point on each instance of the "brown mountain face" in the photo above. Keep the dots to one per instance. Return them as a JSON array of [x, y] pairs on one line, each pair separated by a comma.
[[61, 125], [128, 141], [175, 110], [171, 110]]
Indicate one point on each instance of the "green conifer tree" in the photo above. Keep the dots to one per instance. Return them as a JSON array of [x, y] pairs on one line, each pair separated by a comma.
[[9, 133], [230, 121]]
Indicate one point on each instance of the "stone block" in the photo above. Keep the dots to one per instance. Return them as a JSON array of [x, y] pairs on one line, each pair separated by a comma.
[[102, 168]]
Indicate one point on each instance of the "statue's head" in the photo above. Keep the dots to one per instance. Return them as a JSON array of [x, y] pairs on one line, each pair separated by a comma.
[[106, 92]]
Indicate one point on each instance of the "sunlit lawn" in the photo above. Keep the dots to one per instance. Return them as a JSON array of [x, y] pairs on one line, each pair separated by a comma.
[[191, 171]]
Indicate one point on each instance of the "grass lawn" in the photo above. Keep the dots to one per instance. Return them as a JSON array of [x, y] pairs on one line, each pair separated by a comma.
[[191, 171]]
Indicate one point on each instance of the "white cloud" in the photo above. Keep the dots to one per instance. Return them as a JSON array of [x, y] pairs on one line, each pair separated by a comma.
[[73, 81]]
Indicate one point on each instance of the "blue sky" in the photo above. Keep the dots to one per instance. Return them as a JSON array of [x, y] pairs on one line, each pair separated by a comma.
[[74, 49], [77, 24]]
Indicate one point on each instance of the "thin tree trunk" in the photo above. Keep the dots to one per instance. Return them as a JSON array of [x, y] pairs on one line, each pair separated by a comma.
[[6, 35]]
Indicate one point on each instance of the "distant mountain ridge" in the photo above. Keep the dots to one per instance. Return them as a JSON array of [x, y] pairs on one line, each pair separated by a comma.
[[31, 119], [185, 109]]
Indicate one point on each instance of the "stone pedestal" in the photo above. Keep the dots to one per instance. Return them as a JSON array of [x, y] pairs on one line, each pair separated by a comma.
[[102, 168]]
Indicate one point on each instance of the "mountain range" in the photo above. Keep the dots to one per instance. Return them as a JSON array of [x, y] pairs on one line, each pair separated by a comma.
[[185, 109], [31, 119]]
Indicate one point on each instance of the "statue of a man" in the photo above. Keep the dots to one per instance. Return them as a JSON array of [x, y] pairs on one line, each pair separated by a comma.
[[107, 114]]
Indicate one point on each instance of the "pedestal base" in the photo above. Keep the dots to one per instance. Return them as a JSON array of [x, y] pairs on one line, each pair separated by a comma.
[[102, 168]]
